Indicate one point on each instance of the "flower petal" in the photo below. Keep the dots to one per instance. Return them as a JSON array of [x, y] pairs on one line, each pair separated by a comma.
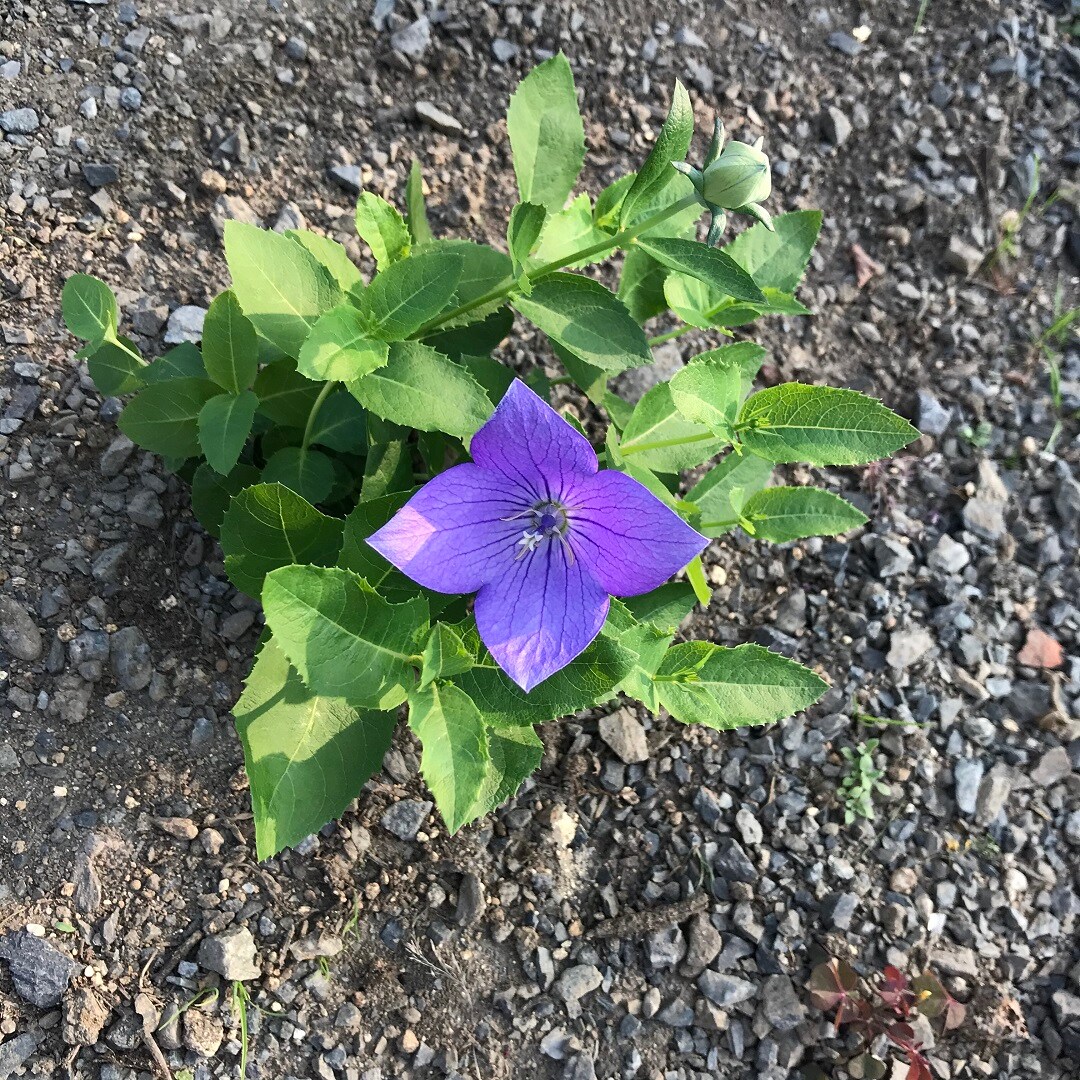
[[452, 536], [630, 541], [540, 615], [528, 441]]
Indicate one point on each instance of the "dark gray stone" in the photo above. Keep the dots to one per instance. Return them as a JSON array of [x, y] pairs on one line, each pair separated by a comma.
[[39, 972]]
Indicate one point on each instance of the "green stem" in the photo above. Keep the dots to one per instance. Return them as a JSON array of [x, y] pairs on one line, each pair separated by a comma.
[[115, 340], [619, 239], [661, 443], [672, 334], [324, 393], [719, 524]]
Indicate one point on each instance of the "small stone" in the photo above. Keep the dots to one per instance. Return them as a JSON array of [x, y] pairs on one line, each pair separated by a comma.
[[203, 1033], [185, 324], [315, 945], [471, 900], [746, 821], [624, 733], [1040, 650], [948, 556], [435, 117], [666, 948], [19, 121], [963, 257], [967, 776], [844, 43], [99, 173], [504, 51], [1053, 767], [231, 954], [908, 646], [349, 177], [703, 946], [130, 98], [577, 981], [144, 508], [15, 1052], [984, 512], [733, 864], [838, 909], [725, 990], [835, 126], [780, 1004], [85, 1014], [19, 634], [993, 793], [39, 972], [235, 626], [405, 817], [116, 455], [933, 418], [413, 40]]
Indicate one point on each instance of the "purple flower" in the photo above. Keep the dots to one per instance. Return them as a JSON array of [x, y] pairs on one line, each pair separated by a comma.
[[539, 534]]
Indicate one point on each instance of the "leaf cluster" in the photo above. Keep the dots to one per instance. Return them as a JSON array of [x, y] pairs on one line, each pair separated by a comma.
[[321, 398]]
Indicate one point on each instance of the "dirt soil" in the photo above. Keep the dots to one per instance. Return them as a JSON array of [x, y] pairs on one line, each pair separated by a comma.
[[619, 918]]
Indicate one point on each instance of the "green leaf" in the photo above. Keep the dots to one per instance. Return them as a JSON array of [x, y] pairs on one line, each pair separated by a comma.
[[484, 269], [415, 206], [268, 526], [514, 755], [712, 495], [648, 642], [610, 200], [281, 287], [547, 136], [182, 362], [383, 229], [659, 437], [476, 338], [340, 424], [714, 267], [702, 683], [695, 574], [584, 317], [368, 516], [781, 514], [230, 350], [494, 376], [116, 367], [307, 756], [211, 493], [586, 681], [523, 232], [672, 144], [421, 388], [822, 425], [332, 255], [455, 758], [89, 308], [224, 426], [445, 655], [340, 348], [164, 418], [708, 391], [343, 638], [570, 230], [387, 468], [285, 396], [641, 285], [308, 472], [778, 259], [410, 293]]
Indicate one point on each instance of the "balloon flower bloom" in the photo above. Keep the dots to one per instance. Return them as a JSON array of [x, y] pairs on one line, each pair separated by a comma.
[[540, 534]]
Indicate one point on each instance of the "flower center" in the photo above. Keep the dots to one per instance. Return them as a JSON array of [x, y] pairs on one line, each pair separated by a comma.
[[546, 521]]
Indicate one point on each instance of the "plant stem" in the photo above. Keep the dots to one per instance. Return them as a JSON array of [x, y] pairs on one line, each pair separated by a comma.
[[616, 240], [661, 443], [672, 334], [324, 393], [719, 524]]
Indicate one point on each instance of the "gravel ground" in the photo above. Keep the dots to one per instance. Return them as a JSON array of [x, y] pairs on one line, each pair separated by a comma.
[[625, 916]]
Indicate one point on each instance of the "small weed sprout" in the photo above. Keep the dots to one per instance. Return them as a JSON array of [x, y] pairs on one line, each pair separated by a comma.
[[861, 781]]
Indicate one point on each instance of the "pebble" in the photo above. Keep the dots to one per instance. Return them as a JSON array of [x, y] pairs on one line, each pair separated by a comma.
[[99, 174], [967, 776], [835, 126], [984, 513], [725, 990], [625, 734], [993, 793], [19, 633], [932, 418], [437, 118], [405, 817], [39, 972], [185, 324], [949, 556], [231, 954], [577, 981], [15, 1052], [19, 121], [908, 646], [350, 177], [780, 1003], [962, 256], [414, 39]]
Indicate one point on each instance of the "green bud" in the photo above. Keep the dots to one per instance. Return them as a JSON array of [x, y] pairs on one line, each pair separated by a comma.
[[739, 177]]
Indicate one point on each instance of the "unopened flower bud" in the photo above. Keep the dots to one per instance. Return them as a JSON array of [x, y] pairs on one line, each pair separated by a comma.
[[738, 177]]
